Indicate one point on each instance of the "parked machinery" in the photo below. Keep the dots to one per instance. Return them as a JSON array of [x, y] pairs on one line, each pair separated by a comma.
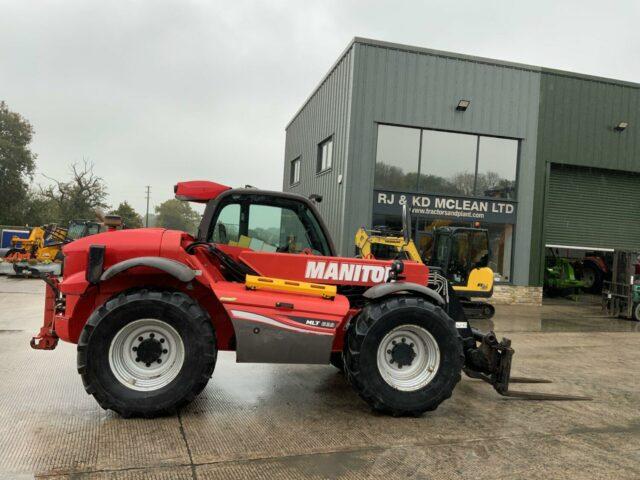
[[40, 253], [559, 276], [40, 248], [593, 269], [461, 254], [621, 295], [150, 309]]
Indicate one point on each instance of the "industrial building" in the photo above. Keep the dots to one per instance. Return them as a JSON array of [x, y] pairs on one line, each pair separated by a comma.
[[537, 156]]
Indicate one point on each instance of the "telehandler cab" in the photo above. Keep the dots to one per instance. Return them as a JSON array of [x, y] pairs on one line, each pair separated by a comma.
[[150, 309]]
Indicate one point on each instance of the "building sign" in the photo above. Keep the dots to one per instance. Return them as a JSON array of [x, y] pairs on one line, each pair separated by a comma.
[[461, 209]]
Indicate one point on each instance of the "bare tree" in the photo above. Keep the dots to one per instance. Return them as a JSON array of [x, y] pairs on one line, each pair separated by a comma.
[[82, 197]]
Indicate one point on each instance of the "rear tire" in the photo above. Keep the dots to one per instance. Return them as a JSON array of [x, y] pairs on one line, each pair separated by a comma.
[[420, 372], [635, 314], [147, 353]]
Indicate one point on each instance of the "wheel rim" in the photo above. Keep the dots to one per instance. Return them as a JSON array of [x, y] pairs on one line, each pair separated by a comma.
[[637, 312], [408, 358], [146, 354]]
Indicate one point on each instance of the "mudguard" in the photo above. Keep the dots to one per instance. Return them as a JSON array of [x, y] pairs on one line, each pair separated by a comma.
[[384, 289], [172, 267]]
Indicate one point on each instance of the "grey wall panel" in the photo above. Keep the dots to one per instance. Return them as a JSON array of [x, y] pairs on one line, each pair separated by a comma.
[[327, 112], [398, 86]]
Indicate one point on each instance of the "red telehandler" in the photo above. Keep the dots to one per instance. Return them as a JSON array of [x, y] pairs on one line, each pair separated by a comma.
[[149, 309]]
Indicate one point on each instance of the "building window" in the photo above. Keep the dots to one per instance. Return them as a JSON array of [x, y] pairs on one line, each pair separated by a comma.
[[497, 162], [447, 163], [294, 171], [397, 158], [325, 155], [500, 239]]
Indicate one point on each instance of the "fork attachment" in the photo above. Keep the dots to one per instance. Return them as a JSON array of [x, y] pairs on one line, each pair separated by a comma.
[[491, 362]]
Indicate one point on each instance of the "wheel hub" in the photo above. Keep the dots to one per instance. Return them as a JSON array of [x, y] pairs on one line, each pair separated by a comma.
[[402, 353], [408, 357], [146, 354], [149, 350]]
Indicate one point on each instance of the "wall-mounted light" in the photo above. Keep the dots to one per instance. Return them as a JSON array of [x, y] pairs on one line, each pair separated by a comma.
[[463, 105], [621, 126]]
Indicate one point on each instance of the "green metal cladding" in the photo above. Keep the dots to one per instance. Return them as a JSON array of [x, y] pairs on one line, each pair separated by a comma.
[[576, 123], [560, 118]]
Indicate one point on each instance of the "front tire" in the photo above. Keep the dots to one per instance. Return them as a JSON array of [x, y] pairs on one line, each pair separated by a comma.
[[404, 355], [147, 353]]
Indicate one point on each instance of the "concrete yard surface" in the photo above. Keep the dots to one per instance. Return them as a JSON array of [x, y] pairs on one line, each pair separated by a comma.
[[296, 421]]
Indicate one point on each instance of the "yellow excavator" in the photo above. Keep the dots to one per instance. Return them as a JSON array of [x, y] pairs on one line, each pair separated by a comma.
[[460, 254], [41, 251]]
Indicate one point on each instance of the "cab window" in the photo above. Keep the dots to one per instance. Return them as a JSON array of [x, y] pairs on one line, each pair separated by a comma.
[[276, 229], [227, 227], [93, 228], [76, 230], [269, 225], [470, 250]]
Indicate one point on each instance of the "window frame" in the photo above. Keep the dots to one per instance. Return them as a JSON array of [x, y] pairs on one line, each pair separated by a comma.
[[326, 141], [292, 172]]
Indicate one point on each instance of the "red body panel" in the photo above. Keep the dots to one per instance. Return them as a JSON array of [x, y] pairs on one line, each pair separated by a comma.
[[212, 291], [200, 191], [235, 295], [331, 270]]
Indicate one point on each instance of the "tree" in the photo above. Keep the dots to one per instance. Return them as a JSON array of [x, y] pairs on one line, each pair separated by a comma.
[[38, 210], [82, 197], [17, 164], [177, 215], [464, 182], [130, 218]]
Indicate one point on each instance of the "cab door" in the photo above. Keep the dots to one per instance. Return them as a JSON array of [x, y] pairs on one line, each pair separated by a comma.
[[266, 222]]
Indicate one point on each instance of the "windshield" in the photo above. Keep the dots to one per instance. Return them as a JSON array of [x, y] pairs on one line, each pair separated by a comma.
[[76, 230]]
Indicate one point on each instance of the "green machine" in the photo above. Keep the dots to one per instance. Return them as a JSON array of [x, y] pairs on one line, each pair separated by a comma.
[[621, 296], [560, 277]]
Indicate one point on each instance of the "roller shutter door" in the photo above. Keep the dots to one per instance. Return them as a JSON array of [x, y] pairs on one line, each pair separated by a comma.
[[589, 207]]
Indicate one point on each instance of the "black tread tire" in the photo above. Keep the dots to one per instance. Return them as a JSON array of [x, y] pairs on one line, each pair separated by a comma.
[[635, 313], [178, 310], [598, 278], [367, 330]]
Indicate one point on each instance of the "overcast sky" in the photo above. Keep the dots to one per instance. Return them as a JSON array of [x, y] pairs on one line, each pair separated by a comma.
[[153, 92]]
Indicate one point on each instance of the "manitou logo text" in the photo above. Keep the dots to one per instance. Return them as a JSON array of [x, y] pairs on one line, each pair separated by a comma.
[[346, 272]]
